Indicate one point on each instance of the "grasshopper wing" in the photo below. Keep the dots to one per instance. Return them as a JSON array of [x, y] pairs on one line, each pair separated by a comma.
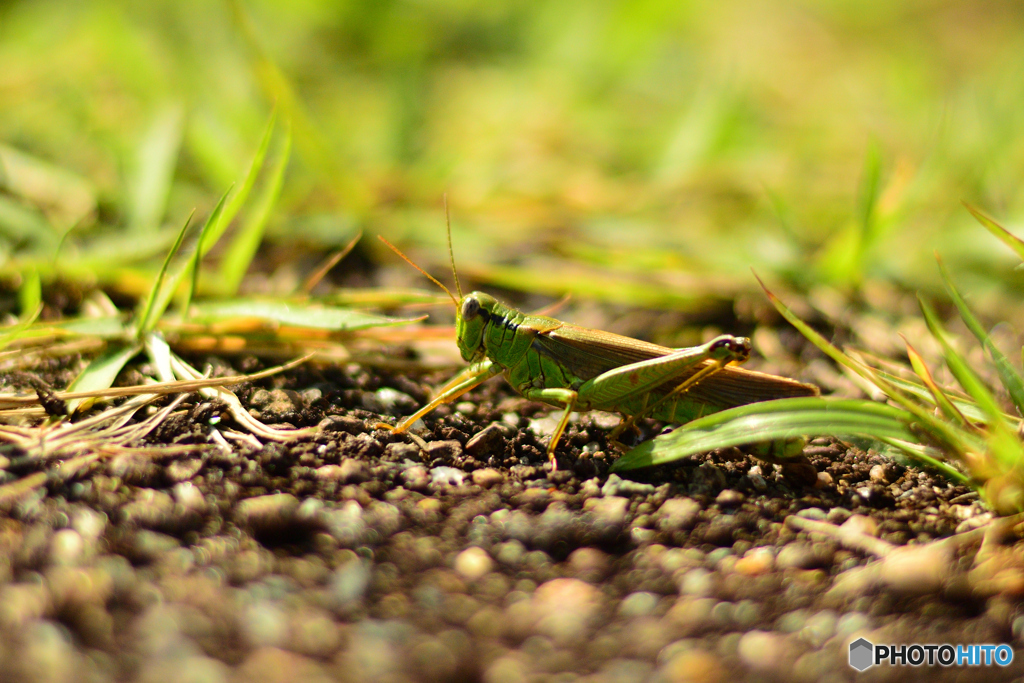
[[589, 353]]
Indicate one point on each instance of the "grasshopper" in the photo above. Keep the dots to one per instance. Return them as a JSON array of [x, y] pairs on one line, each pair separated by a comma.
[[580, 369]]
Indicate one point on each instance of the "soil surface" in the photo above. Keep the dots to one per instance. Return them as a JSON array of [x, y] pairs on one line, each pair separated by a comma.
[[355, 554]]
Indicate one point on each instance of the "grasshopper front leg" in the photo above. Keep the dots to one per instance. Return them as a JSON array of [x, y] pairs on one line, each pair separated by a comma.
[[472, 376]]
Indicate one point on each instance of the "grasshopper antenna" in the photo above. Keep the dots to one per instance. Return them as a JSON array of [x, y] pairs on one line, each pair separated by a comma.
[[451, 253], [429, 276]]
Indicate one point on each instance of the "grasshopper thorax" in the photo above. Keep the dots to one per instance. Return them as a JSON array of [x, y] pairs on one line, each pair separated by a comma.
[[471, 320]]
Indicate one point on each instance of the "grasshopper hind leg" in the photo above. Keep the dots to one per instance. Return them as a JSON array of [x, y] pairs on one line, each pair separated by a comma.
[[557, 396]]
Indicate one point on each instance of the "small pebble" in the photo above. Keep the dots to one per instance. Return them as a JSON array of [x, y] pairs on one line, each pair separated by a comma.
[[189, 496], [693, 666], [639, 604], [755, 562], [66, 547], [762, 650], [812, 513], [799, 555], [276, 665], [473, 563], [183, 469], [698, 582], [617, 486], [147, 546], [352, 471], [729, 498], [486, 442], [589, 564], [819, 628], [678, 514], [609, 511], [443, 450], [349, 584], [565, 608], [415, 478], [757, 479], [263, 623], [267, 514], [487, 477]]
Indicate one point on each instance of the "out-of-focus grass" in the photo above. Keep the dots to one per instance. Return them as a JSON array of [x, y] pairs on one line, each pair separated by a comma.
[[629, 143]]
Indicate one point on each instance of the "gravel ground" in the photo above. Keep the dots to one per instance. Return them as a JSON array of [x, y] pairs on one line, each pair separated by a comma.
[[358, 555]]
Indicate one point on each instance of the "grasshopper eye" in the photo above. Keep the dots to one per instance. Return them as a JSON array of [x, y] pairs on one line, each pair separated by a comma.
[[470, 308]]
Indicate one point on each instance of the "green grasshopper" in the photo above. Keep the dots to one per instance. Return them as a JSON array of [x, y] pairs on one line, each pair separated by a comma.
[[579, 369]]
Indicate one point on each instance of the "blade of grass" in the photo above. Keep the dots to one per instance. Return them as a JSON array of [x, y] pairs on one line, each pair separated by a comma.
[[1011, 379], [963, 373], [970, 410], [101, 373], [30, 293], [245, 243], [235, 205], [299, 314], [151, 312], [939, 429], [936, 426], [1003, 443], [920, 453], [16, 332], [938, 395], [770, 421], [197, 255], [157, 156], [1001, 233]]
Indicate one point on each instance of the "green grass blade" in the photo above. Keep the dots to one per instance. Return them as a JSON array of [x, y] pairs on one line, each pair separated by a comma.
[[1003, 444], [112, 327], [966, 407], [1001, 233], [156, 158], [1011, 379], [101, 373], [870, 189], [236, 203], [12, 334], [155, 304], [298, 314], [30, 293], [247, 240], [197, 255], [769, 421], [921, 454], [938, 395], [963, 373], [939, 429]]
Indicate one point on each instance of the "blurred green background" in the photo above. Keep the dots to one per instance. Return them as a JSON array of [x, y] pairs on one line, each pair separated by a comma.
[[643, 152]]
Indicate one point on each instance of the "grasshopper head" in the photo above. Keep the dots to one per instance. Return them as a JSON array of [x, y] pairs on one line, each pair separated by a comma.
[[471, 320]]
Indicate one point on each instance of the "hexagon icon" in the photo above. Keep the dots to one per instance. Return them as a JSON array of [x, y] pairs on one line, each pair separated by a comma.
[[862, 654]]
